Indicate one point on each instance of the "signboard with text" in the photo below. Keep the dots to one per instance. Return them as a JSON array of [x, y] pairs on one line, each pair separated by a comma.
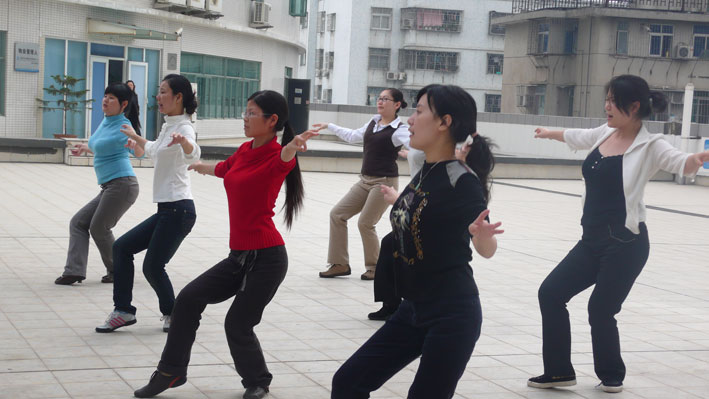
[[26, 57]]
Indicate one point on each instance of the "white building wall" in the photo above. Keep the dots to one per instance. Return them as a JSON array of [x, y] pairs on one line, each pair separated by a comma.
[[34, 20]]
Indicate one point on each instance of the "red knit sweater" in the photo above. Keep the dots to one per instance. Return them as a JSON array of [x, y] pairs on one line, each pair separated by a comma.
[[253, 179]]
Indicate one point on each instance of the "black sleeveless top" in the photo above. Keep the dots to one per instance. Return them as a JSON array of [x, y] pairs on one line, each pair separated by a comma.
[[605, 199], [379, 152]]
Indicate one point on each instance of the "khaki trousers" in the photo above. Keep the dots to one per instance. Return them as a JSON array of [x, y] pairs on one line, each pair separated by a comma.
[[366, 199]]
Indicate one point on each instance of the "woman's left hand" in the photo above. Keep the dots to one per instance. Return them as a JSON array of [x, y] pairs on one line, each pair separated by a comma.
[[299, 142], [131, 144], [177, 138], [129, 131], [481, 229]]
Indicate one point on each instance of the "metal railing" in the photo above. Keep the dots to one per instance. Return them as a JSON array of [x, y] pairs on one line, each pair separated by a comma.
[[696, 6]]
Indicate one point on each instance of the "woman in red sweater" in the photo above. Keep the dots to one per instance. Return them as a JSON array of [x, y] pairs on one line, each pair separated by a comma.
[[257, 263]]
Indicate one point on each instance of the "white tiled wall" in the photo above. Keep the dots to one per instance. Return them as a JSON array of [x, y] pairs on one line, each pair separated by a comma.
[[34, 20]]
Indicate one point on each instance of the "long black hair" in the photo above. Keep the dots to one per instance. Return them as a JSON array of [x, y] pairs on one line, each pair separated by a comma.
[[273, 103], [124, 93], [398, 97], [456, 102], [627, 89], [181, 85]]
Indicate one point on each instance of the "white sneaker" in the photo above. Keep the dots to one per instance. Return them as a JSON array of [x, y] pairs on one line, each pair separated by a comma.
[[611, 387], [115, 320], [166, 323]]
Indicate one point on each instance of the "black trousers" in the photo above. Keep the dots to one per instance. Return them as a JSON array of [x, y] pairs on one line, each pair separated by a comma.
[[384, 286], [610, 257], [442, 332], [253, 277]]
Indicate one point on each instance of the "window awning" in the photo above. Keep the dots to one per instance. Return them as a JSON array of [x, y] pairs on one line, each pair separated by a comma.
[[98, 27]]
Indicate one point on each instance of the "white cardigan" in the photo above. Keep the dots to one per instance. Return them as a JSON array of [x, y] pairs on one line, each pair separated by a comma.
[[646, 156]]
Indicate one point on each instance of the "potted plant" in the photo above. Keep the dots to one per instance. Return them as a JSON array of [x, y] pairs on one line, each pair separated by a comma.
[[69, 101]]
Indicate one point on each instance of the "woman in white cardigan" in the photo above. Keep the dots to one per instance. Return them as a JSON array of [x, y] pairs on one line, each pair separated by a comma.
[[614, 247]]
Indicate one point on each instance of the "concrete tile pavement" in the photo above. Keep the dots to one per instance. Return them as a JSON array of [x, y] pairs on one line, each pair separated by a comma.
[[48, 348]]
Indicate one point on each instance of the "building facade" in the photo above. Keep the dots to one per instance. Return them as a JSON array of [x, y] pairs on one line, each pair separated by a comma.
[[560, 54], [229, 49], [362, 47]]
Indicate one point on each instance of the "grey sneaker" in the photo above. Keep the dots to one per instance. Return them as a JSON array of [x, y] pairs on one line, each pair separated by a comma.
[[166, 323], [116, 319]]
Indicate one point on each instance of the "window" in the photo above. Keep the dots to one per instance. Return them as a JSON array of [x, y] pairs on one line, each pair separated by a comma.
[[495, 29], [570, 36], [379, 58], [661, 40], [3, 57], [431, 19], [492, 102], [428, 60], [381, 18], [319, 55], [327, 96], [542, 38], [318, 92], [539, 99], [321, 21], [621, 39], [223, 84], [700, 107], [330, 60], [331, 22], [701, 41], [565, 101], [298, 8], [373, 94], [494, 63], [288, 72], [303, 57]]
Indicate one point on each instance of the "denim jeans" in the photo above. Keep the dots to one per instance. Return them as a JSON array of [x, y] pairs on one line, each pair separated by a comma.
[[611, 257], [442, 332], [252, 278], [161, 234]]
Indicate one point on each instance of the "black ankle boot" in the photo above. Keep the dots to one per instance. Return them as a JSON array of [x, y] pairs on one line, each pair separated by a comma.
[[68, 280], [159, 382], [384, 313], [255, 393]]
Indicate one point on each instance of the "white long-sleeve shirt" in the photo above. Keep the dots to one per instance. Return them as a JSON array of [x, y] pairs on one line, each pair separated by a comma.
[[646, 156], [400, 137], [171, 182]]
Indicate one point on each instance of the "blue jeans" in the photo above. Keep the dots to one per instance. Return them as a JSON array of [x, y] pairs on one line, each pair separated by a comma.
[[442, 332], [161, 234]]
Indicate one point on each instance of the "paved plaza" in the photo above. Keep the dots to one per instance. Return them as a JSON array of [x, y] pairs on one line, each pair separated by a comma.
[[48, 347]]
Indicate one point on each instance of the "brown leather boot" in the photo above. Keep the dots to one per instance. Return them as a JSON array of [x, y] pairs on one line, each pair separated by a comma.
[[336, 270]]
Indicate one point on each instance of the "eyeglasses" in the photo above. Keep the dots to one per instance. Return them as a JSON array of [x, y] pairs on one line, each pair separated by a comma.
[[251, 114], [384, 99]]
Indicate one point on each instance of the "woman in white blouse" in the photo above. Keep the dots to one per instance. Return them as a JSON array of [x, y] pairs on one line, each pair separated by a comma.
[[161, 234], [383, 137], [615, 246]]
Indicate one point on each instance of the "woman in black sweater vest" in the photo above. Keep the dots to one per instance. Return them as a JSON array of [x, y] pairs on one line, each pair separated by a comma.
[[433, 221]]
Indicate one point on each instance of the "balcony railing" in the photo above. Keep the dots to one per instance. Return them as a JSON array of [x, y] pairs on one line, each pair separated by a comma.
[[696, 6]]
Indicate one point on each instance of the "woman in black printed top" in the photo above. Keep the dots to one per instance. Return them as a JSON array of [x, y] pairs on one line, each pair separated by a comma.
[[433, 221]]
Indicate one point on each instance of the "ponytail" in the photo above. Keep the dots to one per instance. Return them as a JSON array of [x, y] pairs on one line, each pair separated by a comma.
[[132, 112], [294, 181], [481, 161]]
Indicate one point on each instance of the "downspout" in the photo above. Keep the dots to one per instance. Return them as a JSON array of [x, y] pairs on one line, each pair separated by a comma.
[[588, 66]]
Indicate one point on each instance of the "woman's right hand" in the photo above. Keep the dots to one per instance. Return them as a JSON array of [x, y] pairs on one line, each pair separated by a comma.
[[319, 126], [79, 149], [404, 154], [390, 194], [542, 133], [129, 131]]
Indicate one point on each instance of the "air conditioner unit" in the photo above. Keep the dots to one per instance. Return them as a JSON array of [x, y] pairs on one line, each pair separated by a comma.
[[402, 76], [198, 4], [407, 23], [181, 3], [683, 51], [214, 5], [392, 76], [259, 15], [523, 101], [676, 98]]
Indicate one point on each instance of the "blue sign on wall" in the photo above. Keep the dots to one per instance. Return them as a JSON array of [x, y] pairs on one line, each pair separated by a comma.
[[706, 147], [26, 57]]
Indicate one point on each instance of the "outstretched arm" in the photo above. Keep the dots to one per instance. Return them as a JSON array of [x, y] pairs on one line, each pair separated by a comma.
[[298, 144], [694, 162], [483, 234], [202, 168]]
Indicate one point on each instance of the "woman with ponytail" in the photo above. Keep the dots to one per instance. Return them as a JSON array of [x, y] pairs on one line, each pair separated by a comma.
[[383, 137], [615, 246], [433, 220], [119, 186], [258, 261], [162, 233]]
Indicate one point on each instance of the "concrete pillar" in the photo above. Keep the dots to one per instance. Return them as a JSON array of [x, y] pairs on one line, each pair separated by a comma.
[[687, 142]]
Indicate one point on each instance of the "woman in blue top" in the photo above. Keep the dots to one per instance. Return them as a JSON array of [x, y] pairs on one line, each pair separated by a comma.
[[119, 187]]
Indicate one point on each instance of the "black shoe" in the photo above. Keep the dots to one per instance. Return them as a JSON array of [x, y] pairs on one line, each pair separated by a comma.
[[108, 278], [255, 393], [159, 382], [68, 280], [384, 313], [611, 386], [551, 381]]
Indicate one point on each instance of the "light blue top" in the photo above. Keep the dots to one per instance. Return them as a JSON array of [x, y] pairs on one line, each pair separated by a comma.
[[110, 154]]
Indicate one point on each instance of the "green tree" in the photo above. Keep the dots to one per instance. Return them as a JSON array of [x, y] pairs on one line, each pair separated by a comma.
[[70, 100]]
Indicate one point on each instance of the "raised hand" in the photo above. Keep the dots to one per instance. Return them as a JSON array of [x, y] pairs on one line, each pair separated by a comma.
[[389, 193], [177, 138], [129, 131], [299, 142], [481, 229], [319, 126], [131, 144]]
